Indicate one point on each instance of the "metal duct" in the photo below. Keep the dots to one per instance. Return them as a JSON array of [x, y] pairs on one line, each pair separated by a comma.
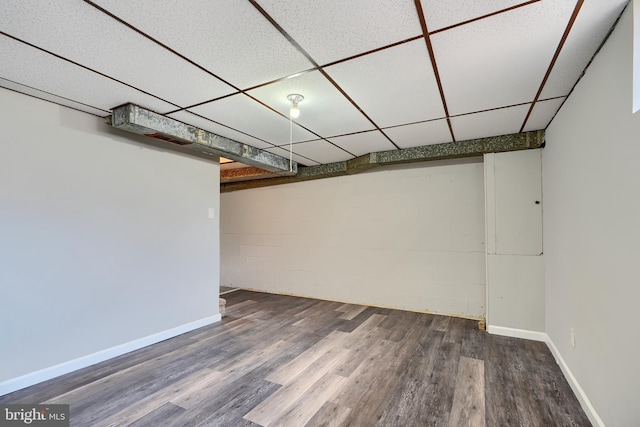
[[135, 119], [424, 153]]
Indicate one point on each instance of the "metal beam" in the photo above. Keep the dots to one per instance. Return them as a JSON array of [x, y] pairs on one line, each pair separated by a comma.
[[425, 153], [138, 120]]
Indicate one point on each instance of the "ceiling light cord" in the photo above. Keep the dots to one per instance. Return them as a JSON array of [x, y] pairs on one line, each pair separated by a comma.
[[290, 143], [294, 112]]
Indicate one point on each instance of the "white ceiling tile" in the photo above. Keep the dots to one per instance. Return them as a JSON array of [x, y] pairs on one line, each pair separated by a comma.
[[25, 65], [320, 151], [542, 114], [394, 86], [243, 113], [285, 153], [591, 26], [8, 84], [417, 134], [215, 34], [337, 30], [208, 125], [501, 60], [489, 123], [324, 109], [444, 13], [363, 143], [77, 31]]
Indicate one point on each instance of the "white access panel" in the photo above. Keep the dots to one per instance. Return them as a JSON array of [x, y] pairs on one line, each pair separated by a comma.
[[517, 209]]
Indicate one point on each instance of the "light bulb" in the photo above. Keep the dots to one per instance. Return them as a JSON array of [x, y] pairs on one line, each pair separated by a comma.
[[294, 111]]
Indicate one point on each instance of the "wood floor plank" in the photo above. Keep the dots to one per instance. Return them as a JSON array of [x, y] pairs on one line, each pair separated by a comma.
[[200, 380], [290, 361], [441, 384], [227, 408], [352, 311], [283, 399], [157, 417], [468, 400], [407, 407], [305, 407], [291, 370], [330, 415]]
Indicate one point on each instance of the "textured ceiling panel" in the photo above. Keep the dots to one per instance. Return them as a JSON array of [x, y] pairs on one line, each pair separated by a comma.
[[489, 123], [329, 31], [208, 125], [320, 151], [425, 133], [394, 86], [363, 143], [31, 67], [542, 114], [8, 84], [501, 60], [284, 152], [89, 37], [592, 25], [444, 13], [216, 34], [243, 113], [490, 57], [324, 110]]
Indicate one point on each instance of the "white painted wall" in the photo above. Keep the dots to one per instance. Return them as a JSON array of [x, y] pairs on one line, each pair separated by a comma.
[[409, 237], [103, 241], [591, 184], [515, 265], [636, 55]]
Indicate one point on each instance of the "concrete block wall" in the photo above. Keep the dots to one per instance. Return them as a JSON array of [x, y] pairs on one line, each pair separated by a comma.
[[408, 237]]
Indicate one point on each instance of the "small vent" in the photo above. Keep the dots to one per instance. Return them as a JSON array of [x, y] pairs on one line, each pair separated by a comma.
[[167, 138]]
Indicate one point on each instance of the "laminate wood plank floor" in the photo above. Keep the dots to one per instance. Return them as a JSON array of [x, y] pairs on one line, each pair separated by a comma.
[[278, 360]]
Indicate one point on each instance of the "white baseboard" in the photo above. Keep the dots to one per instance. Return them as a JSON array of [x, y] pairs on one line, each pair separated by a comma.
[[575, 386], [517, 333], [587, 407], [45, 374]]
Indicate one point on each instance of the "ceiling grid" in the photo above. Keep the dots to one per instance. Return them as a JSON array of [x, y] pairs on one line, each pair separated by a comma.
[[376, 75]]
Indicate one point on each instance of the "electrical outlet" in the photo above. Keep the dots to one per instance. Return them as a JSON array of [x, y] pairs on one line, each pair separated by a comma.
[[573, 338]]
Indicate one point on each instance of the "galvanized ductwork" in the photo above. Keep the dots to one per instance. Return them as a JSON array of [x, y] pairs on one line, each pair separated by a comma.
[[138, 120]]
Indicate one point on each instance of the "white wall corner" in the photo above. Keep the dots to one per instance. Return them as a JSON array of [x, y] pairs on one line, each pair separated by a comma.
[[23, 381], [587, 407]]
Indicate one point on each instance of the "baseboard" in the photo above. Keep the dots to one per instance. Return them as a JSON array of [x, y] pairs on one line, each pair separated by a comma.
[[587, 407], [14, 384], [517, 333]]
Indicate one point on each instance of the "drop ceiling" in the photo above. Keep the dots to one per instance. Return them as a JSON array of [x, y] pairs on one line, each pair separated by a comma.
[[376, 75]]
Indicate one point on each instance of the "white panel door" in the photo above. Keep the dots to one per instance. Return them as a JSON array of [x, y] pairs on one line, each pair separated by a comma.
[[518, 203]]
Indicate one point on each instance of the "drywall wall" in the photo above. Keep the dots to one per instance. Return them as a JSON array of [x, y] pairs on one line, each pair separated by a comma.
[[591, 185], [636, 55], [409, 237], [103, 241], [515, 264]]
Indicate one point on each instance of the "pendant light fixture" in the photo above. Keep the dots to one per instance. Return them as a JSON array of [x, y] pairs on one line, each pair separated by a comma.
[[294, 113]]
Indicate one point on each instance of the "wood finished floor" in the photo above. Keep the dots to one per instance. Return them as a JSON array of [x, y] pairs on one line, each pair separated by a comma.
[[284, 361]]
